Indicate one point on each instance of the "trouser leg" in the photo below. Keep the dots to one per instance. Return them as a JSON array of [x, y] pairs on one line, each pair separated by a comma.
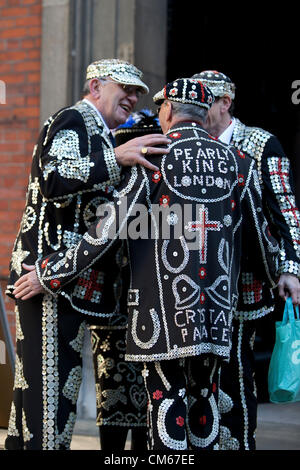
[[182, 403], [47, 374], [165, 383], [120, 392], [139, 439], [112, 439], [19, 435], [203, 422], [238, 402]]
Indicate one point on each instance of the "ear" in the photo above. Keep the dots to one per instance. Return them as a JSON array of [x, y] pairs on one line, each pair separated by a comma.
[[169, 111], [226, 103], [95, 87]]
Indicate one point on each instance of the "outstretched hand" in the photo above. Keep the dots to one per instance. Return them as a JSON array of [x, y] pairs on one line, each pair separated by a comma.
[[28, 285], [130, 153]]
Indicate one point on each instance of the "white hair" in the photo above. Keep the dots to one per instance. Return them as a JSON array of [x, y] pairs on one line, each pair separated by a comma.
[[190, 111], [86, 86]]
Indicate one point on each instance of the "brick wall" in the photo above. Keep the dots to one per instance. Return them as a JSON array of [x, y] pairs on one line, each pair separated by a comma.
[[20, 43]]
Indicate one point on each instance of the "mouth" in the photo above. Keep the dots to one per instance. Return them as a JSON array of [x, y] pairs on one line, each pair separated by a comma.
[[126, 108]]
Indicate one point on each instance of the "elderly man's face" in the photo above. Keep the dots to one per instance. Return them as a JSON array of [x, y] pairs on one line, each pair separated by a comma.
[[116, 102], [218, 116], [214, 116]]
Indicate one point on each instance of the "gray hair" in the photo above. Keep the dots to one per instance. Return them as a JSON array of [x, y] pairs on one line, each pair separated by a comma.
[[86, 86], [190, 111]]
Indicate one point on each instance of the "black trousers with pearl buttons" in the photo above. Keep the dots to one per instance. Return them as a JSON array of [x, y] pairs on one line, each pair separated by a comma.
[[183, 403], [238, 400], [48, 370]]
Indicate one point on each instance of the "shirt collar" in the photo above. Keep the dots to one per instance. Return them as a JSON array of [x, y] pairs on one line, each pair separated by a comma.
[[225, 137], [106, 128]]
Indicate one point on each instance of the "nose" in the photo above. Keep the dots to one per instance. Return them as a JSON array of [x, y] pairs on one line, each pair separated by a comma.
[[133, 98]]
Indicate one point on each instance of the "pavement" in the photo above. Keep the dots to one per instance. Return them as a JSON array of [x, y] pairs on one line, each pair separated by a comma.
[[278, 428]]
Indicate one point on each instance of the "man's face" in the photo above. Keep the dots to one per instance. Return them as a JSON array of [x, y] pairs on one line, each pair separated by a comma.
[[214, 116], [116, 102]]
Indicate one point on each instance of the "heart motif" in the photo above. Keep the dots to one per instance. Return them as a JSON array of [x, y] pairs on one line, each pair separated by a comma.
[[138, 396]]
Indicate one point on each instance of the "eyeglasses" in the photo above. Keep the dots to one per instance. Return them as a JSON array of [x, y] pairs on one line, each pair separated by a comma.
[[131, 90], [128, 89]]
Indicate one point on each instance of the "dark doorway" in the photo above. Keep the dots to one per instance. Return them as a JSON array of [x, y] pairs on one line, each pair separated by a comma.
[[258, 50]]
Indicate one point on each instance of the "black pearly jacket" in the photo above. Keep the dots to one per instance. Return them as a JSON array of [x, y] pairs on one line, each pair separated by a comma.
[[187, 228]]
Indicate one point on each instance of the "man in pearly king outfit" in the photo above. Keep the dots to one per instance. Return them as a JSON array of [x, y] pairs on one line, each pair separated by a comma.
[[186, 226], [74, 168], [121, 399], [238, 402]]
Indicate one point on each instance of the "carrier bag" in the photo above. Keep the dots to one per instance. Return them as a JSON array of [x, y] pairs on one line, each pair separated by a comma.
[[284, 368]]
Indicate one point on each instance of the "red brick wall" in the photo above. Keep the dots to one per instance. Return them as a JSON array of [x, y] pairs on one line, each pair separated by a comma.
[[20, 46]]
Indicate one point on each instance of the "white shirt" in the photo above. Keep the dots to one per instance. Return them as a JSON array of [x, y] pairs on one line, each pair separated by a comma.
[[225, 137]]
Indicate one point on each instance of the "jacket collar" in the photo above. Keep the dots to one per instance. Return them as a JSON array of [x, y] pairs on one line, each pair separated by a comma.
[[239, 132], [186, 125], [97, 115]]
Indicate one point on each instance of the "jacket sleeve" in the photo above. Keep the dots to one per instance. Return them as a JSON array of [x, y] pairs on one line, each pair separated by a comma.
[[67, 163], [281, 205], [260, 249], [59, 269]]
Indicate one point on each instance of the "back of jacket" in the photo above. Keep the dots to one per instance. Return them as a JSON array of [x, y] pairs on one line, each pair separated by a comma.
[[204, 215], [186, 227]]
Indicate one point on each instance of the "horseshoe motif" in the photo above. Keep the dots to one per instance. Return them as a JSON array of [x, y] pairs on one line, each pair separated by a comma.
[[162, 429], [200, 441], [185, 256], [223, 255], [156, 330]]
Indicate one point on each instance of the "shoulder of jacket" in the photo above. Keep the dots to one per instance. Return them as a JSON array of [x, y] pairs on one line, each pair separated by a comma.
[[251, 140], [241, 130], [69, 112]]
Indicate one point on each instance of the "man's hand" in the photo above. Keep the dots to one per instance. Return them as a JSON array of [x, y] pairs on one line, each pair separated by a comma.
[[289, 286], [28, 285], [130, 153]]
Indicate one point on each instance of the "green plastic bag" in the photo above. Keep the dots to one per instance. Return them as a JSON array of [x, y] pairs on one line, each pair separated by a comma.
[[284, 368]]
